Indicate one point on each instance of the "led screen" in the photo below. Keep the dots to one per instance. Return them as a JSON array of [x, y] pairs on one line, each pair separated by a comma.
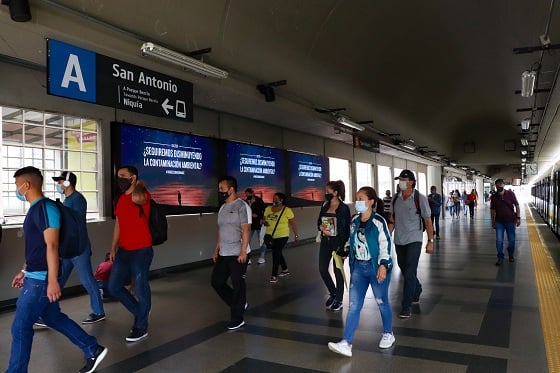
[[308, 176], [256, 167], [180, 170]]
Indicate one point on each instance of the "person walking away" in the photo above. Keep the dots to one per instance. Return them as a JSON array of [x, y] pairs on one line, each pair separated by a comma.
[[257, 213], [278, 220], [387, 204], [131, 250], [38, 280], [458, 202], [471, 202], [434, 199], [334, 224], [506, 216], [232, 250], [369, 253], [410, 211], [451, 205], [66, 185]]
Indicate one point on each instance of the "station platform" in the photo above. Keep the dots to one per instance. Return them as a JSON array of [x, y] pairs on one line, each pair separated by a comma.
[[472, 316]]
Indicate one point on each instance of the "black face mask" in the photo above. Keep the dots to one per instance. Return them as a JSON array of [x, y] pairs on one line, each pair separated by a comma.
[[249, 197], [328, 196], [499, 189], [222, 196], [124, 183]]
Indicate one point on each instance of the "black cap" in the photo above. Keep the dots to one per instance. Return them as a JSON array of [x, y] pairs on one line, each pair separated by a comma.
[[71, 178], [406, 174]]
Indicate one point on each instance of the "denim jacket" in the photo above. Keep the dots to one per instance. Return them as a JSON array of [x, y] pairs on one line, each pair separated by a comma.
[[343, 222], [378, 240]]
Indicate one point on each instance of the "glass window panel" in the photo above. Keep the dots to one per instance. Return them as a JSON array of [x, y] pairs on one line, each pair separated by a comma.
[[363, 175], [89, 161], [72, 122], [385, 180], [89, 141], [91, 198], [55, 120], [72, 139], [15, 163], [54, 137], [33, 135], [87, 181], [12, 132], [12, 114], [34, 117], [340, 170], [73, 161], [89, 125]]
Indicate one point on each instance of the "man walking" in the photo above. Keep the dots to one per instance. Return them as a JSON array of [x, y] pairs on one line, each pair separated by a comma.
[[66, 185], [434, 199], [410, 212], [232, 248], [257, 213], [38, 279], [131, 250], [506, 216]]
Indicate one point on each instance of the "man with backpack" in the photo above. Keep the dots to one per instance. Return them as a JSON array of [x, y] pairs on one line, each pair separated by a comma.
[[38, 280], [66, 185], [131, 250], [411, 214]]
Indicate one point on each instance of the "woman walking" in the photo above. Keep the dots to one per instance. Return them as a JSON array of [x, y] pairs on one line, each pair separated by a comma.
[[369, 253], [334, 225], [278, 220]]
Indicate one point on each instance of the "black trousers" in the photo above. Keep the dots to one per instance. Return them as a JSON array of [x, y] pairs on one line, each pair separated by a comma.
[[277, 256], [228, 267], [328, 245]]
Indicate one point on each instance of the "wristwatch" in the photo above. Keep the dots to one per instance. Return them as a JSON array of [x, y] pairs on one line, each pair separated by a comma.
[[431, 240]]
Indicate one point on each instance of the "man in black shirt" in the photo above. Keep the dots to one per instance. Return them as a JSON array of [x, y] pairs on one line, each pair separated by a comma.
[[257, 209]]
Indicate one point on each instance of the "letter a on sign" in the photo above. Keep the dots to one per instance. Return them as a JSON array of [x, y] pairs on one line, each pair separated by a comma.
[[71, 72]]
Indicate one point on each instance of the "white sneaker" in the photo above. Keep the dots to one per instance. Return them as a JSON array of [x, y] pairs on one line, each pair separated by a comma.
[[261, 261], [249, 262], [341, 347], [387, 340]]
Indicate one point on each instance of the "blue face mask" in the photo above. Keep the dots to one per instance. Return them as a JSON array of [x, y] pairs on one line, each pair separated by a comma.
[[360, 206], [59, 189], [20, 196], [275, 204]]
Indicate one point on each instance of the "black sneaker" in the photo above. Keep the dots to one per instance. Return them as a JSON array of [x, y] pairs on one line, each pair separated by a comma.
[[336, 306], [137, 335], [235, 325], [330, 301], [416, 299], [405, 313], [93, 318], [499, 262], [511, 259], [93, 362]]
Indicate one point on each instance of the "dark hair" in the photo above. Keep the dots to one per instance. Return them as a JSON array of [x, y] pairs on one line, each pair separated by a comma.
[[33, 173], [249, 190], [133, 170], [230, 181], [369, 192], [338, 186], [280, 195]]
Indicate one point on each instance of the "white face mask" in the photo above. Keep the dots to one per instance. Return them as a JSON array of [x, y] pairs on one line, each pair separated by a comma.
[[403, 185], [360, 206]]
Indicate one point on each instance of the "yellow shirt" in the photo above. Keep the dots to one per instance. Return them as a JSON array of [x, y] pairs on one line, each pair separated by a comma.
[[283, 229]]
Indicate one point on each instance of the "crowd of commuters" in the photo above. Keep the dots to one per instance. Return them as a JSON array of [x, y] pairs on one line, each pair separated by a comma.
[[366, 240]]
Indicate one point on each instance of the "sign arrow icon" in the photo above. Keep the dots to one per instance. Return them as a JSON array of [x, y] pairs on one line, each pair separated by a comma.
[[166, 107]]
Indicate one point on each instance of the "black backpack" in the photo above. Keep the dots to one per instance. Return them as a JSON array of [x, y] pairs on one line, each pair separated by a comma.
[[73, 236], [417, 204], [157, 221]]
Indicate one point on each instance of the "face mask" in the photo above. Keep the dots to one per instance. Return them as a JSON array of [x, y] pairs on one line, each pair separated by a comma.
[[222, 196], [403, 185], [59, 189], [328, 196], [500, 189], [20, 196], [361, 206], [275, 204], [249, 197], [124, 183], [433, 191]]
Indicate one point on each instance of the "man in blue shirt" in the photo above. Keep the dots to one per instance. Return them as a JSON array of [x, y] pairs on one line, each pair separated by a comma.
[[434, 199], [66, 185], [39, 279]]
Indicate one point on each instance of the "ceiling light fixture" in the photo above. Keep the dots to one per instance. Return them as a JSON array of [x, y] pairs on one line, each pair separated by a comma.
[[341, 119], [524, 141], [168, 55], [528, 79], [408, 145], [525, 124], [524, 152], [523, 160]]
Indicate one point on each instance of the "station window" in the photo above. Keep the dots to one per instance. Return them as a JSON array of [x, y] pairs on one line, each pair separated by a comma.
[[339, 169], [52, 143], [363, 175]]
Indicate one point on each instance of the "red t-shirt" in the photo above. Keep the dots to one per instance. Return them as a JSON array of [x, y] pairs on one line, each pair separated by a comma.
[[134, 230]]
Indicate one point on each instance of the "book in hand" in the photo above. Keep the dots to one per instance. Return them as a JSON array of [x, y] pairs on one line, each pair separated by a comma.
[[329, 223]]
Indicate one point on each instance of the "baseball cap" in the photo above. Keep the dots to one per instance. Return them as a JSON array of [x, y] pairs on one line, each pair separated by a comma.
[[72, 178], [406, 174]]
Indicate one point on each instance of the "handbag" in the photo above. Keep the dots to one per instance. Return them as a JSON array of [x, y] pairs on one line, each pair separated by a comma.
[[268, 237]]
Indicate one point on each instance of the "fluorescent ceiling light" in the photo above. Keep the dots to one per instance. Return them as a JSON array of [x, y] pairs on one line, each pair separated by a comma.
[[524, 141], [408, 145], [525, 123], [524, 152], [168, 55], [523, 159], [528, 79], [348, 123]]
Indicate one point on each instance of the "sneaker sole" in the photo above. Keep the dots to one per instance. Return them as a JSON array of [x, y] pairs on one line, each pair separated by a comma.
[[128, 339], [93, 321], [237, 326], [334, 349], [98, 360], [404, 316]]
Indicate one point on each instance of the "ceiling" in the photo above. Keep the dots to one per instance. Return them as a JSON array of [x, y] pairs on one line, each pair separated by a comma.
[[440, 73]]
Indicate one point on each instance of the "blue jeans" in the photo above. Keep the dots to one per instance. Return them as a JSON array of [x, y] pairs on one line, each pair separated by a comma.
[[510, 229], [407, 257], [262, 249], [363, 275], [32, 303], [133, 264], [83, 266]]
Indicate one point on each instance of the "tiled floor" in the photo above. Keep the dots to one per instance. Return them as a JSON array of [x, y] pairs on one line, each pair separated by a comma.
[[472, 317]]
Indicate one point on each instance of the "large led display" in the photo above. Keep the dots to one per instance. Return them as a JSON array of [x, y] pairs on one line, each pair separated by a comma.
[[180, 170], [308, 176], [256, 167]]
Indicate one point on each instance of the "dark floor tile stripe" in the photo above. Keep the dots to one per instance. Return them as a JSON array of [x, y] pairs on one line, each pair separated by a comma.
[[254, 365], [496, 324]]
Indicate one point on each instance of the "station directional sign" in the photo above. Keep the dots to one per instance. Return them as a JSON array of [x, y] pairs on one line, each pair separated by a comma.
[[83, 75]]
